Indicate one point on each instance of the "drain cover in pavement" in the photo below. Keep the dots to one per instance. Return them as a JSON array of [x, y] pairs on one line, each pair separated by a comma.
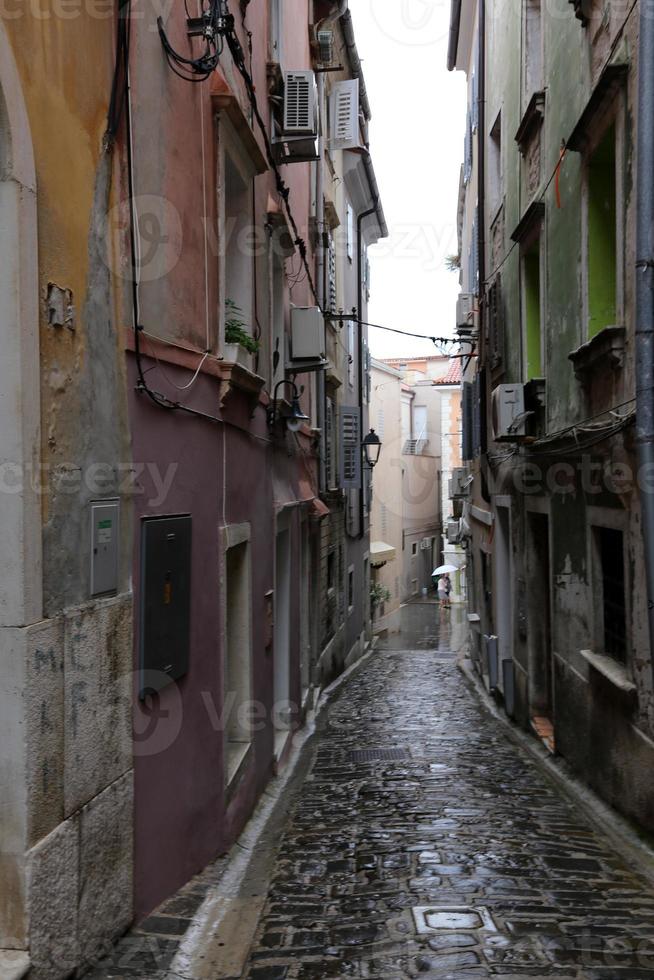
[[374, 755], [452, 918]]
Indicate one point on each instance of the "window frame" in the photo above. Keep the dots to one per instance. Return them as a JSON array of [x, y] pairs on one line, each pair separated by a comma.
[[598, 519], [614, 117]]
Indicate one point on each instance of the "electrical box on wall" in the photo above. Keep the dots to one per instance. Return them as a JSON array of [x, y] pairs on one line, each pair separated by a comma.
[[104, 547], [165, 614]]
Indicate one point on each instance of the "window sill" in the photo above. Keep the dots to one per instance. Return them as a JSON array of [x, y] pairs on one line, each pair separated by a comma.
[[235, 376], [605, 348], [613, 671]]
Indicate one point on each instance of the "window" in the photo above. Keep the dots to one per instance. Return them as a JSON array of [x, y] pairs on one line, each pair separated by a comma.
[[602, 234], [532, 302], [414, 549], [330, 448], [533, 41], [331, 571], [238, 259], [495, 167], [610, 584], [237, 649], [350, 445]]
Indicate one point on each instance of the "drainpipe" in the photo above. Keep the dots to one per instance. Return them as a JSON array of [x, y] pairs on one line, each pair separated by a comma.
[[320, 275], [360, 219], [481, 146], [645, 298]]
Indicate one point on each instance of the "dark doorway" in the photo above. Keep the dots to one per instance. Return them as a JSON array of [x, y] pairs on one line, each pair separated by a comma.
[[541, 665]]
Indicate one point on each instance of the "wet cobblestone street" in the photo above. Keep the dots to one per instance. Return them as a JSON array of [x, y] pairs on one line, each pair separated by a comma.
[[424, 845]]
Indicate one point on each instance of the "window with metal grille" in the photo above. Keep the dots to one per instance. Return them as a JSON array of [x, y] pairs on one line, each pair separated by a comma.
[[331, 287], [350, 448], [610, 549]]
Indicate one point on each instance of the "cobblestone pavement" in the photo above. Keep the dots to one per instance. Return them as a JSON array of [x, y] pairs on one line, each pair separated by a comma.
[[424, 845]]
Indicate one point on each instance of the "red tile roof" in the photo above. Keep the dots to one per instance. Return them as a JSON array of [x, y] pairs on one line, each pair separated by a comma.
[[453, 376]]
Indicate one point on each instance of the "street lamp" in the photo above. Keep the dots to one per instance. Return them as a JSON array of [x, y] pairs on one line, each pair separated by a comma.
[[372, 448], [295, 417]]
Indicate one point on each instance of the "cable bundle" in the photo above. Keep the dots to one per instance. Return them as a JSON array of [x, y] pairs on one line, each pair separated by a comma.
[[210, 25]]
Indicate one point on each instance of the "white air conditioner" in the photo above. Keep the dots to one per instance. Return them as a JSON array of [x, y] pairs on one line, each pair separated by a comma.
[[508, 413], [325, 41], [453, 532], [307, 338], [467, 317], [460, 481], [300, 104]]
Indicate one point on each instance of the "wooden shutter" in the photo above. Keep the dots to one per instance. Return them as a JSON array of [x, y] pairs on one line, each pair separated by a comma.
[[466, 441], [350, 448], [496, 323], [345, 115], [330, 454]]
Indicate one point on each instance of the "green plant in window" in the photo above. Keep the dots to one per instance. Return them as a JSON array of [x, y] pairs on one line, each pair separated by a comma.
[[235, 330]]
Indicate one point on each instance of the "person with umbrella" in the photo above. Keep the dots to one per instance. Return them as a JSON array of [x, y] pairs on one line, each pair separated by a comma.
[[444, 583]]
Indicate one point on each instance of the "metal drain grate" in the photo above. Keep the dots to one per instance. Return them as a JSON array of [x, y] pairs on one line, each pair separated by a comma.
[[378, 755]]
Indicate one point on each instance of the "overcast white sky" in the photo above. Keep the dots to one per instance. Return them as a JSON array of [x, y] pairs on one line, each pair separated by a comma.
[[416, 140]]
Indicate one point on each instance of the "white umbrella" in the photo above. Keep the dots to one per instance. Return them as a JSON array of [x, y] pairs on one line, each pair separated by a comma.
[[445, 569]]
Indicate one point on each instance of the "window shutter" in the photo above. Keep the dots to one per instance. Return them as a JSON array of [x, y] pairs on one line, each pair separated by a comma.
[[475, 102], [330, 454], [467, 152], [332, 276], [466, 441], [345, 115], [350, 448], [496, 323], [476, 417]]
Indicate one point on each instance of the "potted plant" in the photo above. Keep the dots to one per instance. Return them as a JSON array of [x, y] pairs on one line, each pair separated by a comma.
[[378, 595], [239, 344]]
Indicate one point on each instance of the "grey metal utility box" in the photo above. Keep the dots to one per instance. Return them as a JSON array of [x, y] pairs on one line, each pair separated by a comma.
[[165, 613], [104, 547]]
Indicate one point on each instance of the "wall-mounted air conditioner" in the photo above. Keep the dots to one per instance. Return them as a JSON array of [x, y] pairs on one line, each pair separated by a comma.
[[307, 339], [298, 141], [453, 532], [467, 316], [508, 413], [300, 103], [460, 482]]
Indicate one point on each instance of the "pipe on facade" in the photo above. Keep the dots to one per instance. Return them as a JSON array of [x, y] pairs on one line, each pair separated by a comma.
[[455, 27], [645, 298], [360, 219], [355, 62], [321, 392]]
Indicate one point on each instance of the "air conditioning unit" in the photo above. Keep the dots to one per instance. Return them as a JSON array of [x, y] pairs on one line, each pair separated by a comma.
[[467, 316], [325, 40], [453, 532], [508, 413], [300, 104], [307, 339], [460, 481], [296, 139]]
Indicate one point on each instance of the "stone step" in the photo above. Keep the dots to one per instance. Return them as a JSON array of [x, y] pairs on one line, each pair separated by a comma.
[[14, 964]]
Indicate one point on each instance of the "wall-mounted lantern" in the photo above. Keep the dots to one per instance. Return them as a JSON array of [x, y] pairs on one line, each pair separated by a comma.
[[294, 418], [372, 448]]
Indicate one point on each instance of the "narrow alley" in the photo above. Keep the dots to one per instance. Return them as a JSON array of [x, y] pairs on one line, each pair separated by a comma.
[[424, 844]]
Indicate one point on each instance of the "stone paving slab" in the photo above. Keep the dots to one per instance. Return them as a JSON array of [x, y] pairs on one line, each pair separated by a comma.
[[460, 860]]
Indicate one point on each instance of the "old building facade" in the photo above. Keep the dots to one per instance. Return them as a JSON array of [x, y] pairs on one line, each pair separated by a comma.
[[176, 390], [552, 516]]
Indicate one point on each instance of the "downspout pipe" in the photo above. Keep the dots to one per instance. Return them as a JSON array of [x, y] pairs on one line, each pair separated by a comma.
[[321, 393], [645, 300], [360, 220]]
